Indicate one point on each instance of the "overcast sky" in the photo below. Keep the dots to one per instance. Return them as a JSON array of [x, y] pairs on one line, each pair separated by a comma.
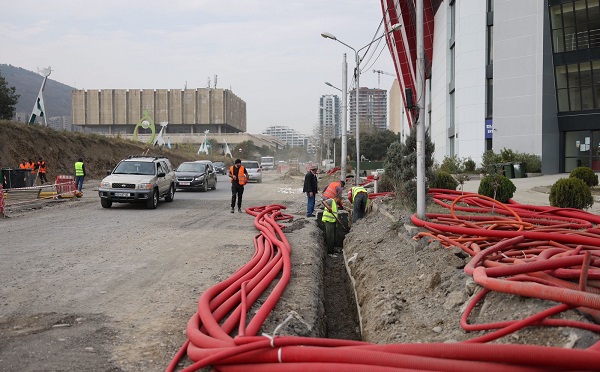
[[269, 53]]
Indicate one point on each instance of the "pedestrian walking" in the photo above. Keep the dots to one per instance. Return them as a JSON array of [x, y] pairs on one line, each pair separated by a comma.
[[79, 174], [239, 177], [42, 170], [359, 197], [311, 188]]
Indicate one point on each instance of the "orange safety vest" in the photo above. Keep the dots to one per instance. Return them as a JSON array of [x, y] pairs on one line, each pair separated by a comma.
[[242, 179], [24, 166], [330, 192], [42, 166], [32, 167]]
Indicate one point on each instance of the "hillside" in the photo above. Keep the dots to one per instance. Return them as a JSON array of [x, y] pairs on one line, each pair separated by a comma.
[[57, 96], [61, 149]]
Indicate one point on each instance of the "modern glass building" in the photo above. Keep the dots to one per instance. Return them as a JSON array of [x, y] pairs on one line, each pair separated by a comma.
[[523, 77]]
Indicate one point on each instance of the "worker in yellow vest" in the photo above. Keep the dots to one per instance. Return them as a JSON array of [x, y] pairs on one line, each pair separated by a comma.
[[79, 174], [330, 219], [359, 197]]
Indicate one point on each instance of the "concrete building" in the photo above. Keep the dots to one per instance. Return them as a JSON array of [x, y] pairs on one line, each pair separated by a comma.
[[330, 116], [127, 112], [372, 108], [289, 136], [522, 75]]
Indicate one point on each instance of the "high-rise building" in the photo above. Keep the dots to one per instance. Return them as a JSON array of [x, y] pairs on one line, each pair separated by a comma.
[[372, 108], [288, 135], [523, 76], [330, 116]]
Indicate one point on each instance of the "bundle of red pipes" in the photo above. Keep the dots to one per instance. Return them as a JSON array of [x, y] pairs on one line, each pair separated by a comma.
[[226, 305]]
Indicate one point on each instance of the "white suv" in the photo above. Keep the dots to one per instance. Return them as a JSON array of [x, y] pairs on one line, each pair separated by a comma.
[[139, 179]]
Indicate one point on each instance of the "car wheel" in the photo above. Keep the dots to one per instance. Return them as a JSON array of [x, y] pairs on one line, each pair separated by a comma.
[[105, 203], [205, 187], [152, 202], [171, 194], [215, 185]]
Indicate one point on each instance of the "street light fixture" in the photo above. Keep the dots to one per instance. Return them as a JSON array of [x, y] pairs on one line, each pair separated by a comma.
[[327, 35]]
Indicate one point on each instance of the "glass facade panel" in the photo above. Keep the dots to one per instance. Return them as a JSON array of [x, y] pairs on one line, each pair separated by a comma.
[[587, 98], [573, 73], [489, 109], [561, 77], [563, 100], [574, 99]]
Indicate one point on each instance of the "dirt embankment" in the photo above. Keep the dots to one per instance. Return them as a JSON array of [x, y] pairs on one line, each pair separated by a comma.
[[60, 150]]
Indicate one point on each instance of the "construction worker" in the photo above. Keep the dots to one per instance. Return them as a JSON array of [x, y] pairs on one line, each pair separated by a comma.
[[311, 188], [239, 177], [359, 197], [32, 172], [330, 219], [42, 169], [79, 174], [335, 188]]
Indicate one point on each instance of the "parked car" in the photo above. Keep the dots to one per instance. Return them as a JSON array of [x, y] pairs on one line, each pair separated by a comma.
[[254, 170], [220, 167], [139, 179], [199, 175]]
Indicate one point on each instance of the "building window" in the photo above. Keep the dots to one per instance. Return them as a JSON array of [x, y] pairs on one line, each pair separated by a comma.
[[451, 147], [489, 99], [451, 103], [452, 18], [575, 25]]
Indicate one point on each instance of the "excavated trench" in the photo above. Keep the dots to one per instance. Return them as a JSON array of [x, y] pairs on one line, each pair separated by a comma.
[[339, 301]]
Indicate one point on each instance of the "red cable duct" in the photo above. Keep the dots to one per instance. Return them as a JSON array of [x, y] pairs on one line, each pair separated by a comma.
[[500, 246]]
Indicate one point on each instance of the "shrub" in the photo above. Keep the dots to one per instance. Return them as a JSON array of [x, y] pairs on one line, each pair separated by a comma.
[[443, 180], [533, 163], [585, 174], [451, 164], [497, 187], [488, 159], [571, 193]]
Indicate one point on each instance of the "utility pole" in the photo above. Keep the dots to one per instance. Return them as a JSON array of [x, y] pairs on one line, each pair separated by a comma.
[[344, 156], [421, 112]]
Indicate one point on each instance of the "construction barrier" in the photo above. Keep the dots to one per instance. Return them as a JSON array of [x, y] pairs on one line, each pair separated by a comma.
[[64, 184]]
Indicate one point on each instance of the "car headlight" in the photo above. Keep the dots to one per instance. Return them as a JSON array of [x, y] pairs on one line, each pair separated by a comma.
[[199, 178], [145, 186], [104, 184]]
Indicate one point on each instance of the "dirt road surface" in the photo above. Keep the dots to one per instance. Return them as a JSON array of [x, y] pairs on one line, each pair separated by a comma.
[[87, 288]]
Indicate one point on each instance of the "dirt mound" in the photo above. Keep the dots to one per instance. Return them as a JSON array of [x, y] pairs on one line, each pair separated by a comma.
[[61, 150], [411, 291]]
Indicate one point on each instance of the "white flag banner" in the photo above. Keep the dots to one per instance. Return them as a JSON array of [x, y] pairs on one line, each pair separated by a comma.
[[38, 109]]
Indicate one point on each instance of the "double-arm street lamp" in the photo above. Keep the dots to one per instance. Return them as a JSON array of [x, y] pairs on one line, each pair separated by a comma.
[[357, 74]]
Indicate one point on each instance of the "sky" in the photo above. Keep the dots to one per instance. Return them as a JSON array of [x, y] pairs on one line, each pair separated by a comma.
[[269, 53]]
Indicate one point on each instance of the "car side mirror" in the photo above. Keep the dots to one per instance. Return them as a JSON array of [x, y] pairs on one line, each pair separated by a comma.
[[162, 174]]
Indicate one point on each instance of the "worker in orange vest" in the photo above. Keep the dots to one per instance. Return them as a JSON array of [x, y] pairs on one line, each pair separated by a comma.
[[239, 177], [335, 188], [42, 169]]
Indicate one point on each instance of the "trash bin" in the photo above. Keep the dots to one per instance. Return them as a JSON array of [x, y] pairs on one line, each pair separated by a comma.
[[15, 177], [520, 170], [509, 170]]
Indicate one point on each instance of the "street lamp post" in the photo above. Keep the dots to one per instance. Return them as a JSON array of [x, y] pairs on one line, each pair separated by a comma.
[[344, 91], [357, 72]]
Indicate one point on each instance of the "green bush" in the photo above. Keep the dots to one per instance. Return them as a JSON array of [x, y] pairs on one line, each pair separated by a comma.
[[443, 180], [571, 193], [451, 164], [488, 159], [469, 165], [533, 163], [497, 187], [586, 174]]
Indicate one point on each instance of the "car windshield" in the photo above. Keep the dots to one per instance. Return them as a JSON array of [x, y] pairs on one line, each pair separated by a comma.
[[131, 167], [250, 164], [192, 167]]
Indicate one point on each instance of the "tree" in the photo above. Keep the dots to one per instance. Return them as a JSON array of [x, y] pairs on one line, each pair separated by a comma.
[[401, 166], [8, 100]]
